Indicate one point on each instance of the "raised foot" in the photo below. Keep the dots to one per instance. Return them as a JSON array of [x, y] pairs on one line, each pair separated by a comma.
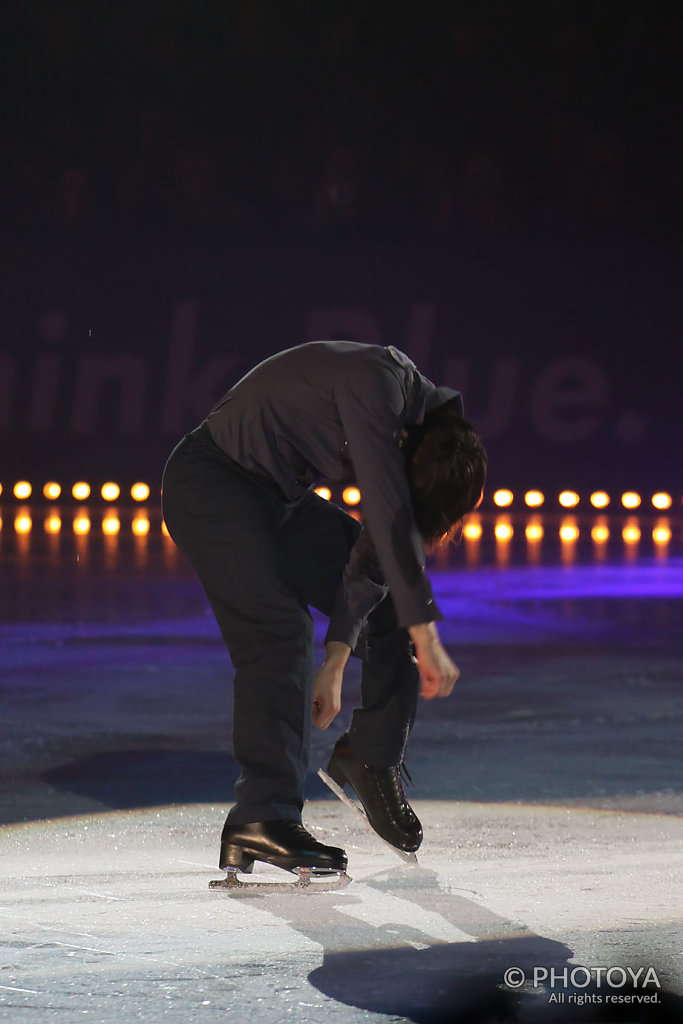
[[409, 858], [308, 880]]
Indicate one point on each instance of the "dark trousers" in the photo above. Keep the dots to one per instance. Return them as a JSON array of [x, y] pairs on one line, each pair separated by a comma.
[[262, 561]]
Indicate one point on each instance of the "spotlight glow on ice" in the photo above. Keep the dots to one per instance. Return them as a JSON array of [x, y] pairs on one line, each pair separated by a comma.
[[53, 524], [140, 526], [111, 525]]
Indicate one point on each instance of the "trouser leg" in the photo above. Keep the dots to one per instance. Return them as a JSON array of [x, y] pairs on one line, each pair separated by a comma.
[[389, 690], [272, 697], [228, 526], [317, 542]]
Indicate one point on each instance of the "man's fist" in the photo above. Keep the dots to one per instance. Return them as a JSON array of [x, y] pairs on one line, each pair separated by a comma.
[[438, 674], [327, 684]]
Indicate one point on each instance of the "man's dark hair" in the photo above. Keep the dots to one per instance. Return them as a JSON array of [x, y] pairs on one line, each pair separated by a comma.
[[446, 467]]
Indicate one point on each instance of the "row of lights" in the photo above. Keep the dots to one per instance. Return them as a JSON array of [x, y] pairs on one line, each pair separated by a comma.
[[472, 531], [111, 525], [502, 498], [570, 499], [568, 532], [81, 491], [350, 495]]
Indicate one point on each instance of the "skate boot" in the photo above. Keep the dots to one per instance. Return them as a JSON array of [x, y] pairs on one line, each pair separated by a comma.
[[286, 844], [380, 791]]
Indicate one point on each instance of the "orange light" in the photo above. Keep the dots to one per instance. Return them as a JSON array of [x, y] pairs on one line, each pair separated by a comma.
[[599, 499], [23, 524], [140, 526], [110, 491], [164, 529], [534, 499], [568, 532], [503, 498], [139, 492], [81, 525], [600, 534], [0, 488], [534, 532], [630, 499], [52, 490], [53, 524], [471, 531], [661, 535], [111, 525], [324, 492], [503, 531], [661, 500], [568, 499], [81, 490], [631, 534], [351, 495], [22, 489]]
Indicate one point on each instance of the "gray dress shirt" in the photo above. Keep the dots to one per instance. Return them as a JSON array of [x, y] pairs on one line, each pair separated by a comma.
[[334, 410]]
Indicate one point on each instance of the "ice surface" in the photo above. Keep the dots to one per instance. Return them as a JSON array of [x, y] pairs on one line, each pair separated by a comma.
[[550, 788]]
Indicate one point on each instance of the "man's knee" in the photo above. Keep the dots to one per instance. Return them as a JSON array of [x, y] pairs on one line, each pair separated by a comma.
[[263, 630]]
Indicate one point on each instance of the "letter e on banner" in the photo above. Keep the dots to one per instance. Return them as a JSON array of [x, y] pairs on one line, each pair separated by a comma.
[[567, 399]]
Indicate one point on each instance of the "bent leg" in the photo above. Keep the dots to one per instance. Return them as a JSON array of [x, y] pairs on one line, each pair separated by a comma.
[[316, 545], [390, 684]]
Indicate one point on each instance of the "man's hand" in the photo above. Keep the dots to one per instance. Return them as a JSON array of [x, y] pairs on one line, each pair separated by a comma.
[[327, 684], [438, 674]]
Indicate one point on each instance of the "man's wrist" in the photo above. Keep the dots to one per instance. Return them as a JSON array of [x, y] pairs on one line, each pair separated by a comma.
[[423, 633], [337, 653]]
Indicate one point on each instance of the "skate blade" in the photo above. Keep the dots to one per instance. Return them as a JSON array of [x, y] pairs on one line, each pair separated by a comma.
[[408, 858], [308, 881]]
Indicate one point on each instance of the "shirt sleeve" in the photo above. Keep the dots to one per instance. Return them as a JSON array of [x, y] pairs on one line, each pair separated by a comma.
[[371, 404], [361, 589]]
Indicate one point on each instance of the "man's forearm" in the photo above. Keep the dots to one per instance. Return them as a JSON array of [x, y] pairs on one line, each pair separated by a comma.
[[337, 653]]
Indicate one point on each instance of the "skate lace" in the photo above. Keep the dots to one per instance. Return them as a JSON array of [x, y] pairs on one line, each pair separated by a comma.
[[401, 773]]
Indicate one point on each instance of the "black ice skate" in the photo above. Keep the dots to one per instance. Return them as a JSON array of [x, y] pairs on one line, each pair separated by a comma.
[[380, 791], [285, 844]]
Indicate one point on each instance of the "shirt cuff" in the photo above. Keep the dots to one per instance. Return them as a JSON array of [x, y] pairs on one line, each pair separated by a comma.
[[344, 631], [418, 605]]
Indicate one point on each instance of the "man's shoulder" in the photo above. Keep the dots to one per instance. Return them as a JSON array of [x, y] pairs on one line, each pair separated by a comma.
[[400, 357]]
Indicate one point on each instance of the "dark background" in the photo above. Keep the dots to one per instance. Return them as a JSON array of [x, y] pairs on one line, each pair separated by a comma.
[[494, 187]]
